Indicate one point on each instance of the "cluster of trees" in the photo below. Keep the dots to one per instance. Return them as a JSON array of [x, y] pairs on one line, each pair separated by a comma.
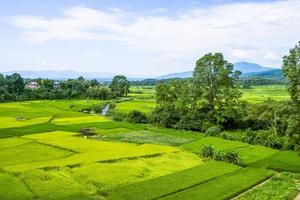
[[210, 97], [254, 81], [13, 88], [211, 100]]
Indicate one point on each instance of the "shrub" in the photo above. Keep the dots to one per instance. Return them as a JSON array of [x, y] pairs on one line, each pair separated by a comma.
[[87, 131], [213, 131], [117, 116], [208, 151], [232, 157], [97, 108], [218, 155], [250, 137], [274, 142], [136, 117]]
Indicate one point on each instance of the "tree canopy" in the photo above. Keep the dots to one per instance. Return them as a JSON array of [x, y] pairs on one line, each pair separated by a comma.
[[120, 86]]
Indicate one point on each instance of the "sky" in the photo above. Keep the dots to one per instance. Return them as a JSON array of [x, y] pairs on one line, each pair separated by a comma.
[[142, 37]]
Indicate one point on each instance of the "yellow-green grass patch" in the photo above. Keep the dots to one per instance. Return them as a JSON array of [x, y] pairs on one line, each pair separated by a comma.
[[88, 150], [12, 188], [145, 106], [80, 120], [9, 122], [172, 183], [12, 142], [218, 143], [31, 152], [107, 175]]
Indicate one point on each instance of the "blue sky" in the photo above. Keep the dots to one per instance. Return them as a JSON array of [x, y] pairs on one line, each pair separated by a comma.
[[143, 37]]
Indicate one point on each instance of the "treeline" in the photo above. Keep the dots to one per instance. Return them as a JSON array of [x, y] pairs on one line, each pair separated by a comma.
[[152, 82], [211, 101], [256, 81], [15, 88], [246, 82]]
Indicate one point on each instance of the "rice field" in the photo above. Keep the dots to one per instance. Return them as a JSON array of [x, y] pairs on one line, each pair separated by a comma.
[[43, 156]]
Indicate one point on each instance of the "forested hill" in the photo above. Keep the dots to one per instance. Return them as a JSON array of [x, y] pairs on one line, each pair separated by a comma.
[[247, 69], [271, 74]]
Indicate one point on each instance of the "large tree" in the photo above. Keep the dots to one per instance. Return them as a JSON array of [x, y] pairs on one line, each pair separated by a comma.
[[120, 86], [14, 84], [291, 69], [215, 85]]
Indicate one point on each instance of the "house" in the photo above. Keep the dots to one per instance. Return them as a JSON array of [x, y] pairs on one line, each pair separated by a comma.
[[32, 85]]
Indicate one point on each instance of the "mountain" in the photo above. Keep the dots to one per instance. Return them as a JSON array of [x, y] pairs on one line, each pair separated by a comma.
[[65, 74], [244, 67], [69, 74], [177, 75], [271, 74]]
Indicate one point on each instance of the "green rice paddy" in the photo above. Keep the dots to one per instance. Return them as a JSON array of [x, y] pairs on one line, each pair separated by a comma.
[[43, 156]]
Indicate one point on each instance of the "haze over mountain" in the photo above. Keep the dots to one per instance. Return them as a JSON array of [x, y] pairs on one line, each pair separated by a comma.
[[245, 67]]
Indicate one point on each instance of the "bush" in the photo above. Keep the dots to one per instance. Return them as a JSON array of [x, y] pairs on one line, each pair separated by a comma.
[[117, 116], [218, 155], [251, 137], [213, 131], [136, 117], [208, 151], [232, 157], [274, 142], [87, 131], [97, 108]]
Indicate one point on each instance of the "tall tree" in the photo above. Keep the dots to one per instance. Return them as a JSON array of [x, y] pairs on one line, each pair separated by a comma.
[[291, 69], [15, 84], [120, 86], [215, 84]]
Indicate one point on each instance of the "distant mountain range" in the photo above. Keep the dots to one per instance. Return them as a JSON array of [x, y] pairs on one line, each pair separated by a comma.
[[247, 69], [67, 74]]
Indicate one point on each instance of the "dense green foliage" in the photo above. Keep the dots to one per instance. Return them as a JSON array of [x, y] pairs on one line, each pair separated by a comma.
[[120, 86], [13, 88], [210, 97]]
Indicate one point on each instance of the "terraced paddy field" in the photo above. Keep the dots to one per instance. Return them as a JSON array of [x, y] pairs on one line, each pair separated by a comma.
[[44, 156]]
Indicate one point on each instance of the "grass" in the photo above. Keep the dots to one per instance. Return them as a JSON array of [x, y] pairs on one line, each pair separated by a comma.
[[218, 143], [254, 153], [281, 186], [12, 188], [145, 106], [281, 161], [8, 122], [12, 142], [31, 152], [87, 150], [258, 94], [165, 185], [80, 120], [142, 137], [44, 159], [224, 187], [108, 175]]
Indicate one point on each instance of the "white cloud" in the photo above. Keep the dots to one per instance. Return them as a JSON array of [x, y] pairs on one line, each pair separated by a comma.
[[269, 55], [240, 54], [266, 26]]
